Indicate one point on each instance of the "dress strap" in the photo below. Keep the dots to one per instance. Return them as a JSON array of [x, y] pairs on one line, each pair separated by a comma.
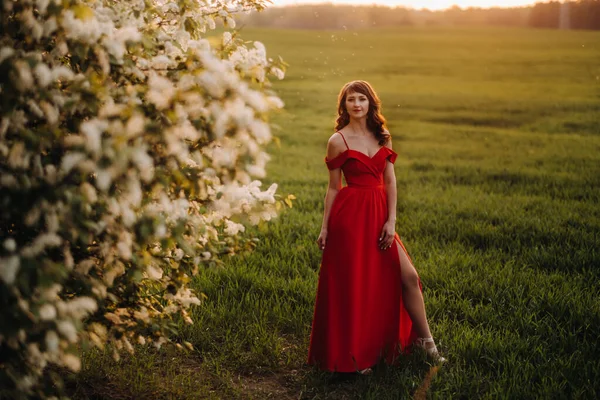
[[344, 140]]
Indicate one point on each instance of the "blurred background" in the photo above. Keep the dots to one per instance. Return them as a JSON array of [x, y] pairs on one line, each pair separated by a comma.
[[349, 14]]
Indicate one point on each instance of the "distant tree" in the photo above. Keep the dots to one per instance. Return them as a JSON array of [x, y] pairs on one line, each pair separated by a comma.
[[545, 15], [583, 14], [329, 16]]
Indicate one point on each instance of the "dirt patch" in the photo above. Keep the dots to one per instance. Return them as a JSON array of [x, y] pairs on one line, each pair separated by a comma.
[[282, 385]]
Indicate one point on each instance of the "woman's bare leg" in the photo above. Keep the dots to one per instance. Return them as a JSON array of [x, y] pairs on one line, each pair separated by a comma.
[[411, 294]]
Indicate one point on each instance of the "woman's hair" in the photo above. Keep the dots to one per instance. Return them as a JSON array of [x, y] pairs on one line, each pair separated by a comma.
[[375, 120]]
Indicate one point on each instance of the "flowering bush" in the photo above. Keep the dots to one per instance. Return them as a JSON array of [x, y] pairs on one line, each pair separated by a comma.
[[130, 148]]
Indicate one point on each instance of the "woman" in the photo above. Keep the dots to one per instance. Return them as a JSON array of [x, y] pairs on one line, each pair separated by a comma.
[[369, 302]]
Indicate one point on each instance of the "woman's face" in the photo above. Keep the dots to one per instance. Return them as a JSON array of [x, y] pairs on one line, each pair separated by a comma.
[[357, 105]]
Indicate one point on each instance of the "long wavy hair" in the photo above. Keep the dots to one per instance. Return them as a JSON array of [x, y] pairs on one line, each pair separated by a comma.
[[375, 120]]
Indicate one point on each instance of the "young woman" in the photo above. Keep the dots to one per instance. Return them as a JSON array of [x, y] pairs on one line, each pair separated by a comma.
[[369, 302]]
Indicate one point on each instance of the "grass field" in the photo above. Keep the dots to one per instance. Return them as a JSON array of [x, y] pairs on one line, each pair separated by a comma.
[[498, 135]]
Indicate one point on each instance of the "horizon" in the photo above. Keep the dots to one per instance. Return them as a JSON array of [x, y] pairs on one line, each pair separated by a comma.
[[433, 5]]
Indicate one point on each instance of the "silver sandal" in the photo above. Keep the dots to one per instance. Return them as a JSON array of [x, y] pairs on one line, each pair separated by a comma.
[[431, 351]]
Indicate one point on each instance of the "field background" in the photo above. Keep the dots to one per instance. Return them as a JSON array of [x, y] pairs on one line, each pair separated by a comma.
[[498, 135]]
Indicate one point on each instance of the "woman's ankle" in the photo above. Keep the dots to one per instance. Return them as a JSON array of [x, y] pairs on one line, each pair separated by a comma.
[[426, 342]]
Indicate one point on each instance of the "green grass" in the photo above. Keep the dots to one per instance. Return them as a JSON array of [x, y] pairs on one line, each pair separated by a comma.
[[498, 135]]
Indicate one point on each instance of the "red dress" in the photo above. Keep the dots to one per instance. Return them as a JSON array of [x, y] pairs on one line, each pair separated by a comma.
[[359, 316]]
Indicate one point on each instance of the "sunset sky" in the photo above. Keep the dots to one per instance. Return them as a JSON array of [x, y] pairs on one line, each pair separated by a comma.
[[418, 4]]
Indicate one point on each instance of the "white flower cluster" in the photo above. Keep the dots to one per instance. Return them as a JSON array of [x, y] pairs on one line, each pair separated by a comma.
[[134, 178]]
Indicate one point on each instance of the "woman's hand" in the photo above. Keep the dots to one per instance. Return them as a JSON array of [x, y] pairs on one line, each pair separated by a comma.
[[322, 239], [387, 235]]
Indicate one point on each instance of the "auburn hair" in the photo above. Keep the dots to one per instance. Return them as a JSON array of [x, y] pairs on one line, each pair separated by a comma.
[[375, 120]]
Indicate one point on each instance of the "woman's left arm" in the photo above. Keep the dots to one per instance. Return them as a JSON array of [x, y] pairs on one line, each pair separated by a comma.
[[389, 228]]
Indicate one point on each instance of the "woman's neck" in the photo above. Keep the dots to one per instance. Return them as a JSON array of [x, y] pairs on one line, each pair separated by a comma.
[[359, 126]]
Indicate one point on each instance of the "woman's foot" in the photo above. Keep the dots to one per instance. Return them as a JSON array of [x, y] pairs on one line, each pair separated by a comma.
[[366, 371], [430, 348]]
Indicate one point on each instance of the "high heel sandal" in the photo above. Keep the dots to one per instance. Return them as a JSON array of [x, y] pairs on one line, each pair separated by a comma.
[[366, 371], [431, 351]]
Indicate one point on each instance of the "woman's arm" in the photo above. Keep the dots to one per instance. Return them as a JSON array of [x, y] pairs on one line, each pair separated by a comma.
[[389, 180], [335, 184]]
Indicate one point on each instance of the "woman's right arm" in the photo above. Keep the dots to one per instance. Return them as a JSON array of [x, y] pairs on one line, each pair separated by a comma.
[[335, 184]]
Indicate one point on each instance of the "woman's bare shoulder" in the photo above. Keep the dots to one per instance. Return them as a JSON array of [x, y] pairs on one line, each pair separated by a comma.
[[389, 141], [336, 140], [335, 145]]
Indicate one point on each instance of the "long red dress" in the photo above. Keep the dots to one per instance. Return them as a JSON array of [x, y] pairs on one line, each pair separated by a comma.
[[359, 316]]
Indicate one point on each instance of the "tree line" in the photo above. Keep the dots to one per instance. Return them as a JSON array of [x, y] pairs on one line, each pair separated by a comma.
[[581, 14]]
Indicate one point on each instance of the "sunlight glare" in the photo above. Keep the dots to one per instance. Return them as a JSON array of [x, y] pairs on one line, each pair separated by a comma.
[[418, 4]]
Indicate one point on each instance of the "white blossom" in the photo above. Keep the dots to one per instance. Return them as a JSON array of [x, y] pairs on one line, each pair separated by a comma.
[[78, 308], [43, 74], [115, 44], [232, 228], [50, 112], [135, 125], [227, 38], [24, 77], [47, 312], [70, 160], [278, 72], [211, 22], [134, 194], [223, 157], [42, 5], [62, 73], [92, 130], [275, 102], [35, 28], [161, 231], [67, 330], [50, 293], [89, 192], [103, 179], [255, 99], [52, 341], [161, 62], [184, 297], [88, 30], [153, 272], [10, 245], [178, 254], [142, 315], [40, 243], [71, 361], [123, 164], [200, 46], [50, 25], [6, 52], [144, 163], [261, 131], [158, 344], [230, 22], [256, 170], [161, 91], [9, 267], [124, 245]]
